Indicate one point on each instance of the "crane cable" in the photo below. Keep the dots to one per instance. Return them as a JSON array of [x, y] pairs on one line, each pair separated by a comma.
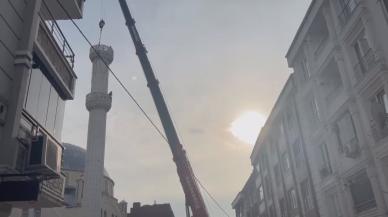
[[101, 24], [130, 94]]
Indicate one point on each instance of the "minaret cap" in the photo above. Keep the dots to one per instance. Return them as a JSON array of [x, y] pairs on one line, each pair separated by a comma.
[[104, 51]]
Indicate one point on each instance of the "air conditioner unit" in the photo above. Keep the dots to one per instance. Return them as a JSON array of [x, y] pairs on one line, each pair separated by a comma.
[[44, 156]]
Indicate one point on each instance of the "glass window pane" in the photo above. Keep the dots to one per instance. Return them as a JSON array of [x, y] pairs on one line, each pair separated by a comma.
[[33, 92], [59, 119], [51, 111], [43, 101], [346, 129], [362, 192], [386, 4]]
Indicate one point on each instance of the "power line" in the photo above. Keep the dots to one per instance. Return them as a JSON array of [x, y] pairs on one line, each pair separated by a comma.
[[211, 197], [131, 96]]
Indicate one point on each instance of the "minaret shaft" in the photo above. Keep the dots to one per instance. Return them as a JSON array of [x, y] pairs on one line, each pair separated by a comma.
[[98, 103]]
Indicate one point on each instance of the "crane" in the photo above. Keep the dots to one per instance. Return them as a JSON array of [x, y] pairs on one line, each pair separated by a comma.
[[193, 197]]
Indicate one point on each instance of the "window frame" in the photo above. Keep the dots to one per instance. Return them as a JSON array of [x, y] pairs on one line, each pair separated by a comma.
[[385, 7], [277, 174], [325, 157], [354, 187], [43, 102], [342, 145], [381, 97]]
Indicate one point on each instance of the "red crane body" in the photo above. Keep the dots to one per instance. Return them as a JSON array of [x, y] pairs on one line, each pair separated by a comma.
[[194, 199]]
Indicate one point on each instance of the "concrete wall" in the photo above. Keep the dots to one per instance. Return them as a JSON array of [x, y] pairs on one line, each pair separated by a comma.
[[11, 22]]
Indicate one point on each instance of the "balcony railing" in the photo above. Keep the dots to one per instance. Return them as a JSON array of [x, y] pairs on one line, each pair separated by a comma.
[[347, 11], [55, 53], [365, 64], [61, 40]]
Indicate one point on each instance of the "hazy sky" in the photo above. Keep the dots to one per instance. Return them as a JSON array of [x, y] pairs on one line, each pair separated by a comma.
[[215, 59]]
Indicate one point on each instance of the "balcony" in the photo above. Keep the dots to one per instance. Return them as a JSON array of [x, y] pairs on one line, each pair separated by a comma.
[[60, 9], [54, 52]]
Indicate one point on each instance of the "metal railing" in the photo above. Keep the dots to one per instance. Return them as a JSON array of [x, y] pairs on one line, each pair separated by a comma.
[[61, 40], [347, 11]]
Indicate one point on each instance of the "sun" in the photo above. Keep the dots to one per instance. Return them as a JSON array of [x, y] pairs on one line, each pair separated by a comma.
[[247, 126]]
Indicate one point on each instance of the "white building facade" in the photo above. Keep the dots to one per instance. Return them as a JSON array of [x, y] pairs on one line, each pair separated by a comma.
[[36, 79], [324, 149]]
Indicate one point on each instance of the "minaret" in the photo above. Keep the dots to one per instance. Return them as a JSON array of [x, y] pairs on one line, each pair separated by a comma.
[[98, 103]]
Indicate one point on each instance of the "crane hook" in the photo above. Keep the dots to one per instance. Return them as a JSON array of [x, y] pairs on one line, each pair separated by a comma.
[[101, 24]]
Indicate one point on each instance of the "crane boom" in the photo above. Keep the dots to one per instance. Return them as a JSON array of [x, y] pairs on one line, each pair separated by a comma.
[[194, 199]]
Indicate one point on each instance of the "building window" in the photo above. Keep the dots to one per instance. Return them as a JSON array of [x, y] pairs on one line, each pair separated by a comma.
[[258, 167], [290, 120], [362, 192], [283, 207], [306, 195], [305, 68], [43, 102], [260, 191], [379, 108], [324, 161], [346, 9], [268, 187], [292, 199], [333, 205], [272, 211], [382, 99], [80, 189], [276, 170], [385, 4], [346, 133], [286, 163], [264, 159], [296, 148], [364, 54], [315, 109], [311, 113]]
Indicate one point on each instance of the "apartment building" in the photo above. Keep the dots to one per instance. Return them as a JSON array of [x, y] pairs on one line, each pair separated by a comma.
[[36, 79], [324, 148]]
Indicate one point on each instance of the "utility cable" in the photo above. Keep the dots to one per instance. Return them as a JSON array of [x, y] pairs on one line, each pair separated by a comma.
[[132, 97], [211, 197]]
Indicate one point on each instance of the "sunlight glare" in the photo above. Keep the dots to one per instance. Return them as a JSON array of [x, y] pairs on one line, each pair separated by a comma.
[[247, 126]]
